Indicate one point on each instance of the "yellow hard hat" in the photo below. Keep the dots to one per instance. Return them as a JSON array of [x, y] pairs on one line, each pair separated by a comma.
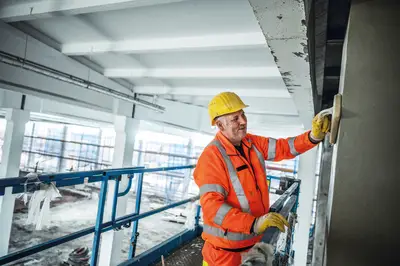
[[224, 103]]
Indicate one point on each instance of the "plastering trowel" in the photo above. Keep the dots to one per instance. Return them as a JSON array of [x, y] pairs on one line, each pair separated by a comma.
[[336, 112]]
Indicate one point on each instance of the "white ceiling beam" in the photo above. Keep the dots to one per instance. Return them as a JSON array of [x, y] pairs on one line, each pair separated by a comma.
[[206, 72], [200, 91], [286, 41], [273, 120], [24, 81], [53, 8], [50, 106], [193, 43], [54, 91], [24, 46]]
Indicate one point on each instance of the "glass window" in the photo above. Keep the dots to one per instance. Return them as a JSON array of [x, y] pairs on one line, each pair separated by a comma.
[[42, 146], [58, 147]]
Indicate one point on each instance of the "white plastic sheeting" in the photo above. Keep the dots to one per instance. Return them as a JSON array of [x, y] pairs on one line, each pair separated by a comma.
[[38, 213], [191, 211]]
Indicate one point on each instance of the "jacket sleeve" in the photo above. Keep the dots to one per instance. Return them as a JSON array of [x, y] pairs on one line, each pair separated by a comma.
[[281, 149], [212, 178]]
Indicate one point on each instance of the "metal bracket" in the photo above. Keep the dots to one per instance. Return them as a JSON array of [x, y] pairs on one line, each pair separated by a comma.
[[134, 241], [117, 228]]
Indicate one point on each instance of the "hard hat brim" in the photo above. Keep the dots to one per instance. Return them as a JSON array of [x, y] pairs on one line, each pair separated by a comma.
[[233, 111]]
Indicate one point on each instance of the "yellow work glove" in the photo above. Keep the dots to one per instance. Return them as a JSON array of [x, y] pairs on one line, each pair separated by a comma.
[[320, 126], [271, 219]]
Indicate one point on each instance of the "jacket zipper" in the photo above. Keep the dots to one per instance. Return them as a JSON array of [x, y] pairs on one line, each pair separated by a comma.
[[255, 178]]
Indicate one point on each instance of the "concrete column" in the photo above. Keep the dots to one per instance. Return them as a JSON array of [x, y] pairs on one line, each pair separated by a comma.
[[140, 154], [189, 151], [306, 174], [60, 160], [30, 156], [111, 242], [188, 175], [365, 171], [9, 167]]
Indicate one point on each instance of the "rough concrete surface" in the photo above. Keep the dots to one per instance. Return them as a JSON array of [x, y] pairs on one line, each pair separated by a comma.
[[363, 228]]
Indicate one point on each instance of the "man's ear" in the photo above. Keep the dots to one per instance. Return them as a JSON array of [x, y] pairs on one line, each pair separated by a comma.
[[219, 124]]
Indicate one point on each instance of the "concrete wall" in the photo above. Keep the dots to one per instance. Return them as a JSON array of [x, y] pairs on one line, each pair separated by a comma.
[[366, 160]]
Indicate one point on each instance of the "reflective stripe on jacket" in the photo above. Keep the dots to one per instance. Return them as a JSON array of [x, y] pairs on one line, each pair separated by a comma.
[[234, 189]]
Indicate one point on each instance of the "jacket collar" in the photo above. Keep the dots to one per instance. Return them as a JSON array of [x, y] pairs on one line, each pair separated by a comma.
[[229, 147]]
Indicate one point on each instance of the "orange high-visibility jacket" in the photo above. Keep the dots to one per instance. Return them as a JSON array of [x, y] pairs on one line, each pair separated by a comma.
[[234, 189]]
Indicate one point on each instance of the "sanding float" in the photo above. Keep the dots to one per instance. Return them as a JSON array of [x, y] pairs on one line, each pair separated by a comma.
[[336, 116], [336, 112]]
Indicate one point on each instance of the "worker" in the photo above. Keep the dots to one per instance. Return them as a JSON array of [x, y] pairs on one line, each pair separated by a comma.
[[231, 175]]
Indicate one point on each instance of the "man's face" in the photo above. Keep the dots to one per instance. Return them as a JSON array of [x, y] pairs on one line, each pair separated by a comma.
[[233, 126]]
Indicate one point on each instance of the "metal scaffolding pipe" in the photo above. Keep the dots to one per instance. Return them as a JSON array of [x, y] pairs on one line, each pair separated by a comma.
[[53, 73]]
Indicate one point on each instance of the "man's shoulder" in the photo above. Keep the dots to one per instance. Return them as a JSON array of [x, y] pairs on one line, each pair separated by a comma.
[[209, 150], [252, 137], [258, 141]]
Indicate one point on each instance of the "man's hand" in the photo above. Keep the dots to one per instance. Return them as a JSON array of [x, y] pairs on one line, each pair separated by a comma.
[[271, 219], [320, 126]]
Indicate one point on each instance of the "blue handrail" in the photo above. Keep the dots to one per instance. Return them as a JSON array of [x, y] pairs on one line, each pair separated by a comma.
[[128, 187], [99, 221], [134, 235], [73, 178]]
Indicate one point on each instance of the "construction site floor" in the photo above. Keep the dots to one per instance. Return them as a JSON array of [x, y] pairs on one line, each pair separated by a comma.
[[189, 254]]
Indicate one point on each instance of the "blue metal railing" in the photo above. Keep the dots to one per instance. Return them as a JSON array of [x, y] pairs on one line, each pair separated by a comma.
[[286, 204], [21, 184]]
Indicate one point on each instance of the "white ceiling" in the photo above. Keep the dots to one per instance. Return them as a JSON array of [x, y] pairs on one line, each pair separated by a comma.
[[181, 50]]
